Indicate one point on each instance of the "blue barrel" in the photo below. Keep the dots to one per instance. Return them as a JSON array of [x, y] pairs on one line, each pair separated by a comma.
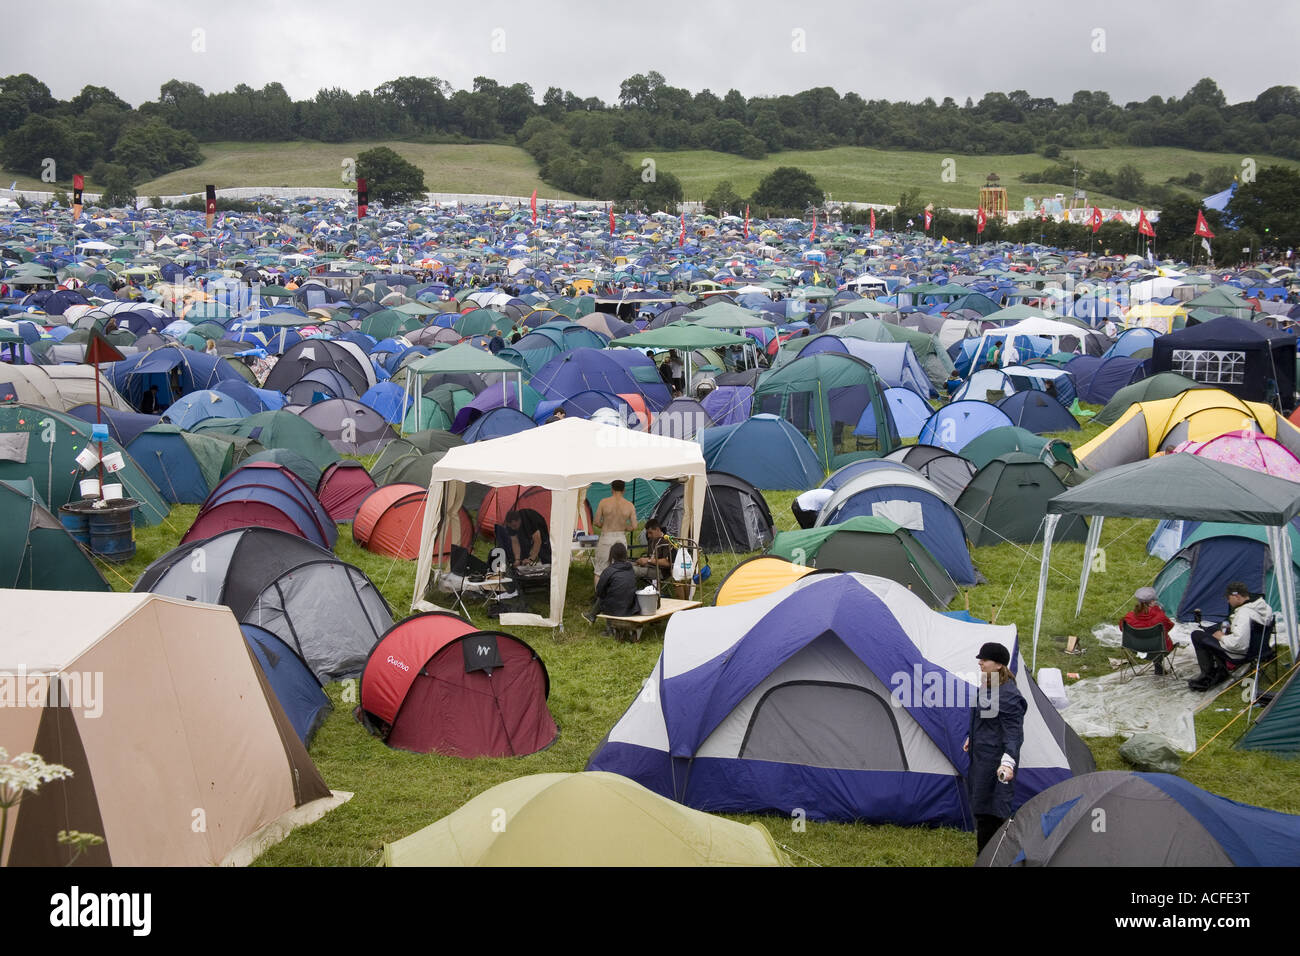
[[76, 520], [112, 531]]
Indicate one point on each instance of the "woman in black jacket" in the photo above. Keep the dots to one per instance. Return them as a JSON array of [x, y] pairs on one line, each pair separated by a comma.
[[616, 589], [997, 729]]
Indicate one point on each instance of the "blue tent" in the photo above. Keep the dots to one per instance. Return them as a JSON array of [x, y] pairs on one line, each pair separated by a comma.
[[911, 501], [729, 404], [618, 371], [958, 423], [305, 703], [1212, 556], [191, 371], [498, 423], [168, 456], [264, 495], [584, 405], [789, 701], [388, 399], [254, 399], [765, 450], [123, 426], [1097, 379], [188, 410], [1130, 341], [1038, 412], [909, 410]]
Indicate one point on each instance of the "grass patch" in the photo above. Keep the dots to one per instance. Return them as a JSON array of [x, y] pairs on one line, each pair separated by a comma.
[[594, 678]]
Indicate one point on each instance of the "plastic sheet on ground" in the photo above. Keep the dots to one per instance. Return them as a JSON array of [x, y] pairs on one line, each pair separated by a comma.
[[1111, 706]]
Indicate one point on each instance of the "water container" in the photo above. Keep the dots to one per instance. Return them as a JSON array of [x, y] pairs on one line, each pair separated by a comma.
[[647, 601], [76, 519], [112, 530]]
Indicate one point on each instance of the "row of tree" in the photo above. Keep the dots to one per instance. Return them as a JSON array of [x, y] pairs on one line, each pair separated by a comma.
[[649, 114]]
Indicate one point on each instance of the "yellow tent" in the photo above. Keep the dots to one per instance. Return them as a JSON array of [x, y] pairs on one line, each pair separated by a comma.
[[1196, 415], [582, 819], [758, 577], [1153, 315]]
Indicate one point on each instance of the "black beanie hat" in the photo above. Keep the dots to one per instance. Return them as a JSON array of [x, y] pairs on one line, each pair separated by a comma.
[[994, 652]]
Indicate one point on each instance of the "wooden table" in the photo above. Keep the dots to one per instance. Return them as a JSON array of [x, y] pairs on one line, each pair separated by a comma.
[[632, 624]]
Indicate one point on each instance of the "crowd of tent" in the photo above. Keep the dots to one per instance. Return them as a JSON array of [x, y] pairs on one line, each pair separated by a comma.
[[913, 392]]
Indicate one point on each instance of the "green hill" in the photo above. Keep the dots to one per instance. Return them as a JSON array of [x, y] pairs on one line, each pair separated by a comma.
[[848, 173]]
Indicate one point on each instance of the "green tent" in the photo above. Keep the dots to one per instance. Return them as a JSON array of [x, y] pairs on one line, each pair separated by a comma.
[[36, 551], [1158, 386], [388, 323], [1278, 728], [644, 493], [1010, 438], [1007, 499], [871, 546], [824, 396], [42, 445], [277, 429], [684, 336]]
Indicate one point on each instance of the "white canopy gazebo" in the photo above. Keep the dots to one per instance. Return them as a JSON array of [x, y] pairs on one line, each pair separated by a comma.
[[565, 457]]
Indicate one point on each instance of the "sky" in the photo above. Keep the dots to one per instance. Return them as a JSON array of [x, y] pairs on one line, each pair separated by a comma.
[[894, 50]]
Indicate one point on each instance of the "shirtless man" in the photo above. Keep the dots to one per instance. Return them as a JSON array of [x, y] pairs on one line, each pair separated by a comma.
[[615, 517]]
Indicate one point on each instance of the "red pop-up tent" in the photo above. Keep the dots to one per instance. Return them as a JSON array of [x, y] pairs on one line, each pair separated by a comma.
[[436, 684]]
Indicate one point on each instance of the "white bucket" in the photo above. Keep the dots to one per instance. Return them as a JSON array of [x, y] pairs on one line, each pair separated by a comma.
[[87, 458], [90, 488], [112, 492], [114, 462]]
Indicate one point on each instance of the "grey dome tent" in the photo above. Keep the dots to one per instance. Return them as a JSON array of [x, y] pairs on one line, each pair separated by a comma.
[[1007, 501], [1151, 819], [736, 516], [330, 613], [946, 470]]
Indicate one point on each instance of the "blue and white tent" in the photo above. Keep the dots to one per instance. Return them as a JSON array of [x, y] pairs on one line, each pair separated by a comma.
[[960, 422], [788, 702], [911, 501]]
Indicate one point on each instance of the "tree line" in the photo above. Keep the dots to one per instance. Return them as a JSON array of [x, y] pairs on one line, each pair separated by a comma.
[[580, 142]]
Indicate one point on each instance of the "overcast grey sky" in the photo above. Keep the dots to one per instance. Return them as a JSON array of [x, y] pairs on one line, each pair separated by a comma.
[[896, 50]]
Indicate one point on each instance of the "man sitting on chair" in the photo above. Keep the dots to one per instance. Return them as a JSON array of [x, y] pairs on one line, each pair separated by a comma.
[[1230, 643], [657, 565], [524, 538]]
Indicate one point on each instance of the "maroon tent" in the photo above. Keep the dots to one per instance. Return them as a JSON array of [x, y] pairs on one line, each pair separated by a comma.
[[343, 486], [436, 684], [264, 495]]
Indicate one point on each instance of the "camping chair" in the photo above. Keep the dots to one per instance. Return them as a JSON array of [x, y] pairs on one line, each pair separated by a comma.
[[1149, 641], [1260, 655], [664, 579]]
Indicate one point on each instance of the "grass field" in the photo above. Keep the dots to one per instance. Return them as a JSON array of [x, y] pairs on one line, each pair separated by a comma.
[[594, 678], [848, 173], [855, 174]]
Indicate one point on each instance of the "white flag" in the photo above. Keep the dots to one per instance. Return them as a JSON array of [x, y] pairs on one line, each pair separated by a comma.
[[1205, 243]]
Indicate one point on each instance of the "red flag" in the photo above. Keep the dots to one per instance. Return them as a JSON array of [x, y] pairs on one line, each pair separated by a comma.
[[78, 184], [363, 198], [981, 220], [681, 240], [1144, 226], [929, 218], [747, 223], [533, 204], [1203, 227], [100, 349], [873, 224], [812, 236], [1042, 213], [611, 219], [1095, 219]]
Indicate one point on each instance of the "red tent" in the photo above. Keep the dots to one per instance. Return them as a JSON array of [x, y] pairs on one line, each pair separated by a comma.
[[343, 486], [498, 501], [389, 521], [435, 684]]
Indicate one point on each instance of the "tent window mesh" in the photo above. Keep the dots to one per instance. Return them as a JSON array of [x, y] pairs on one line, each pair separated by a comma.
[[1210, 366]]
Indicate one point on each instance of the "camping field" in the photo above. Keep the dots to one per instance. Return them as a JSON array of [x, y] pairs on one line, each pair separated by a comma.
[[593, 678], [848, 173]]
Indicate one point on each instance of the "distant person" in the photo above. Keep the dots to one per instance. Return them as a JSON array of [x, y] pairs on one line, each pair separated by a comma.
[[497, 343], [149, 403], [954, 383]]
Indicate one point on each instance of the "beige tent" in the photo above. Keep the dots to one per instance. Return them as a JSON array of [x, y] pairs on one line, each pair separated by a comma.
[[582, 819], [564, 457], [60, 387], [181, 755]]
